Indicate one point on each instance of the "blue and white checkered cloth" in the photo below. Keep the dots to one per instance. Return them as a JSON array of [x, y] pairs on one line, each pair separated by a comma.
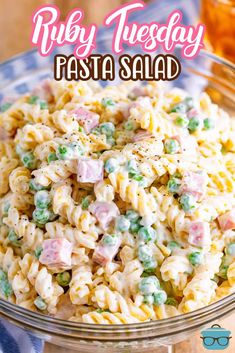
[[13, 339]]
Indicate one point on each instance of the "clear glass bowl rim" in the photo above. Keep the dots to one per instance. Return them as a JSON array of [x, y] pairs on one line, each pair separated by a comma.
[[164, 327]]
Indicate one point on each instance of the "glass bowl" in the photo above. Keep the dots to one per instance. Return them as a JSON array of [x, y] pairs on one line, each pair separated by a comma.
[[207, 73]]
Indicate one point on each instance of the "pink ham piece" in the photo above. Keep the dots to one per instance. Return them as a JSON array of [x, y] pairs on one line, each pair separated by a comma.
[[105, 212], [194, 183], [227, 220], [141, 135], [104, 254], [199, 233], [139, 91], [87, 119], [56, 253], [90, 170]]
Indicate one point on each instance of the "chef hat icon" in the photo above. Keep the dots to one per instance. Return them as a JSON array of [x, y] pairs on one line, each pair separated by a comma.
[[215, 338]]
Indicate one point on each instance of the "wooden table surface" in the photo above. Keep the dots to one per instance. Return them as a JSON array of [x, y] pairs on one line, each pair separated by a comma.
[[15, 28]]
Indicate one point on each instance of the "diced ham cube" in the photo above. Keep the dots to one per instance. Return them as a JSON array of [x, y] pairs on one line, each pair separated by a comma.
[[88, 120], [90, 170], [199, 233], [227, 220], [141, 135], [56, 253], [104, 254], [194, 183], [105, 212]]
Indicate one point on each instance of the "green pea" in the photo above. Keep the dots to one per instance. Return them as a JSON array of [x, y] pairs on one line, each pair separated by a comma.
[[52, 157], [70, 151], [134, 227], [148, 299], [129, 126], [6, 288], [147, 234], [107, 102], [40, 303], [231, 249], [171, 301], [172, 146], [43, 104], [41, 216], [63, 278], [110, 240], [107, 129], [3, 275], [33, 99], [85, 202], [149, 267], [144, 253], [132, 215], [122, 224], [13, 238], [173, 245], [29, 160], [111, 165], [111, 141], [159, 297], [182, 121], [149, 285], [187, 202], [42, 199], [195, 258], [38, 252], [4, 107], [173, 185], [208, 124], [193, 124], [33, 186]]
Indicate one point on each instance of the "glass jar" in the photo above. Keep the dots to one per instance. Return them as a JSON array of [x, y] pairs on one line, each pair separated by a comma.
[[207, 73]]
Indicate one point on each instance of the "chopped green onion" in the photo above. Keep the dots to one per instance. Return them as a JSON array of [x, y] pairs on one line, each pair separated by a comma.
[[182, 121], [208, 124]]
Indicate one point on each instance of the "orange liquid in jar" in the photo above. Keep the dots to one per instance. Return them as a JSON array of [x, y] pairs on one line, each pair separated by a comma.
[[219, 18]]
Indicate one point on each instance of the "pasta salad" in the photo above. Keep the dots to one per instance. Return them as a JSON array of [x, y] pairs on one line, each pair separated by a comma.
[[116, 204]]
